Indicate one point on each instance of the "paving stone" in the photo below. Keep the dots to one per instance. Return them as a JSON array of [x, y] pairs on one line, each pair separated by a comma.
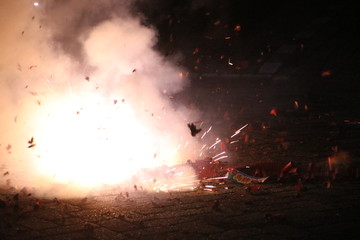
[[36, 223], [270, 67], [166, 221], [200, 227], [304, 35], [232, 234], [104, 234], [118, 225], [287, 49], [60, 230]]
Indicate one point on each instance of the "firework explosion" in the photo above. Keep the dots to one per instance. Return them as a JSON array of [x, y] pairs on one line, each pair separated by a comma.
[[85, 99]]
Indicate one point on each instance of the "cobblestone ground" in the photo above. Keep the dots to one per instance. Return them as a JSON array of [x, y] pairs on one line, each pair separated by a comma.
[[309, 78], [275, 211]]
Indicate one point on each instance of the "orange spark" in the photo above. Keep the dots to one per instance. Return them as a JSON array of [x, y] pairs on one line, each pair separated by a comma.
[[273, 112], [326, 73]]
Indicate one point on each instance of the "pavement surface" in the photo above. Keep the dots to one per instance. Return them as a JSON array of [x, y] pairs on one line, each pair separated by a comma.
[[299, 96], [275, 211]]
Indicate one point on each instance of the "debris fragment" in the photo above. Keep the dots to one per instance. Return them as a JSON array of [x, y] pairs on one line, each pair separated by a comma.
[[328, 184], [273, 112], [285, 169], [237, 28], [31, 143], [240, 177], [8, 148], [193, 129], [32, 66], [216, 23], [326, 73], [296, 104]]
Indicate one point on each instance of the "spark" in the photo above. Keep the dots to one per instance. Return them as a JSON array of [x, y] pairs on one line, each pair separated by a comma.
[[70, 89], [213, 146], [36, 4], [216, 178], [222, 157], [219, 154], [50, 85], [239, 130], [170, 170], [206, 132], [273, 112], [202, 148], [179, 174], [203, 135], [296, 104]]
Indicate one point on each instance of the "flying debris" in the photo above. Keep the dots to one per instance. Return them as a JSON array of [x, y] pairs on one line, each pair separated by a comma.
[[240, 177], [273, 112], [31, 143], [8, 148], [193, 129], [32, 66]]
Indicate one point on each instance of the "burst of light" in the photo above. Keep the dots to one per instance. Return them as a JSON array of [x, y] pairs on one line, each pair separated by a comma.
[[36, 4], [88, 140]]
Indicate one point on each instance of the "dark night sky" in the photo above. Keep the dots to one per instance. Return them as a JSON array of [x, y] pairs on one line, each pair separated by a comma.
[[197, 30], [186, 25]]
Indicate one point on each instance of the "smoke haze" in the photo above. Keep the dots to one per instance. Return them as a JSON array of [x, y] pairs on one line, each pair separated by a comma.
[[80, 81]]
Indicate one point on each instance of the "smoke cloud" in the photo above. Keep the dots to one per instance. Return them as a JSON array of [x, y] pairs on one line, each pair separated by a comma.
[[83, 90]]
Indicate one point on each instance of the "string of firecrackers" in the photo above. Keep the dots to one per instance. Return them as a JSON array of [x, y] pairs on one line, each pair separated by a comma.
[[240, 177]]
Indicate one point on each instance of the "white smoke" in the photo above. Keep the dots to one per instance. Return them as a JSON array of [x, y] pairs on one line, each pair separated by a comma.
[[69, 53]]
